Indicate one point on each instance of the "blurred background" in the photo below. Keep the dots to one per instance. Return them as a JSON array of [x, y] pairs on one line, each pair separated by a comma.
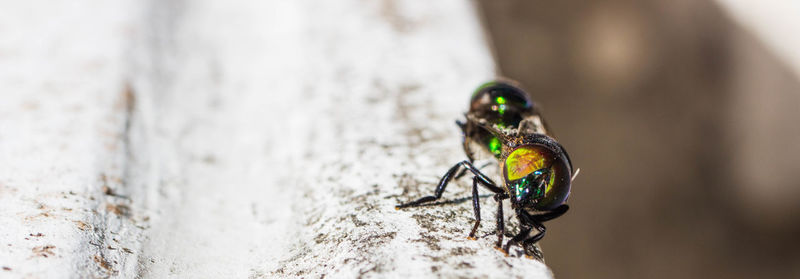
[[684, 125]]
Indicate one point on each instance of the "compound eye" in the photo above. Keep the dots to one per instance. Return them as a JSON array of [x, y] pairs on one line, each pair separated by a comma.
[[500, 103], [528, 167], [530, 188]]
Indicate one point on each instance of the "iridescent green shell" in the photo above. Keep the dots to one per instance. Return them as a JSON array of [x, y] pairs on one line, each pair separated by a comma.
[[501, 105]]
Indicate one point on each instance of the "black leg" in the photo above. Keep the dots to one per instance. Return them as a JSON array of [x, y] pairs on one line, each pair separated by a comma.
[[538, 236], [467, 149], [464, 171], [439, 189], [536, 222], [528, 222], [533, 239], [482, 178], [476, 206], [466, 133], [462, 125], [552, 214], [501, 229], [524, 231], [461, 173]]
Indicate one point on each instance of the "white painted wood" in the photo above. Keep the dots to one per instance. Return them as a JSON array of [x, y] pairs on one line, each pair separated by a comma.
[[208, 139], [62, 120]]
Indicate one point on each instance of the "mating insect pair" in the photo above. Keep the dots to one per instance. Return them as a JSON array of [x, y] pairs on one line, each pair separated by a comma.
[[503, 123]]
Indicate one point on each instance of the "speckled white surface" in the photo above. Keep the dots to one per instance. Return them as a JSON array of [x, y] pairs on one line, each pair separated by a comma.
[[208, 139], [62, 123]]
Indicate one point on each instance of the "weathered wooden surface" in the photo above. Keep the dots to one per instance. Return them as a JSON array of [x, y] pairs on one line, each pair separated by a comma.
[[63, 121], [238, 139]]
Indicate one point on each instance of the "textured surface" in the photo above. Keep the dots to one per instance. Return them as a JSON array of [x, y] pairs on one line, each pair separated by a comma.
[[239, 139], [63, 121]]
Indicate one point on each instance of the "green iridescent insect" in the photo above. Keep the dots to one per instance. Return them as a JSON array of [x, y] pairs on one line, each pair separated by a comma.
[[504, 124]]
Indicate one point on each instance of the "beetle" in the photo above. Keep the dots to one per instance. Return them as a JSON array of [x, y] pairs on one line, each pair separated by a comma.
[[504, 124]]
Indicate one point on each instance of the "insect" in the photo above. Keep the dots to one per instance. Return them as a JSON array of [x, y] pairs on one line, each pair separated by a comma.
[[502, 123]]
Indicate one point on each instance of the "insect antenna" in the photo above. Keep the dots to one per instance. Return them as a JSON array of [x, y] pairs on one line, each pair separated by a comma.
[[575, 175]]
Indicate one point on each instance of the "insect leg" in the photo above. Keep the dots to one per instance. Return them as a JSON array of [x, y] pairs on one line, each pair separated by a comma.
[[533, 239], [482, 178], [462, 125], [439, 189], [524, 231], [499, 196], [501, 229], [536, 221], [488, 183], [462, 172], [465, 144], [476, 206], [552, 214]]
